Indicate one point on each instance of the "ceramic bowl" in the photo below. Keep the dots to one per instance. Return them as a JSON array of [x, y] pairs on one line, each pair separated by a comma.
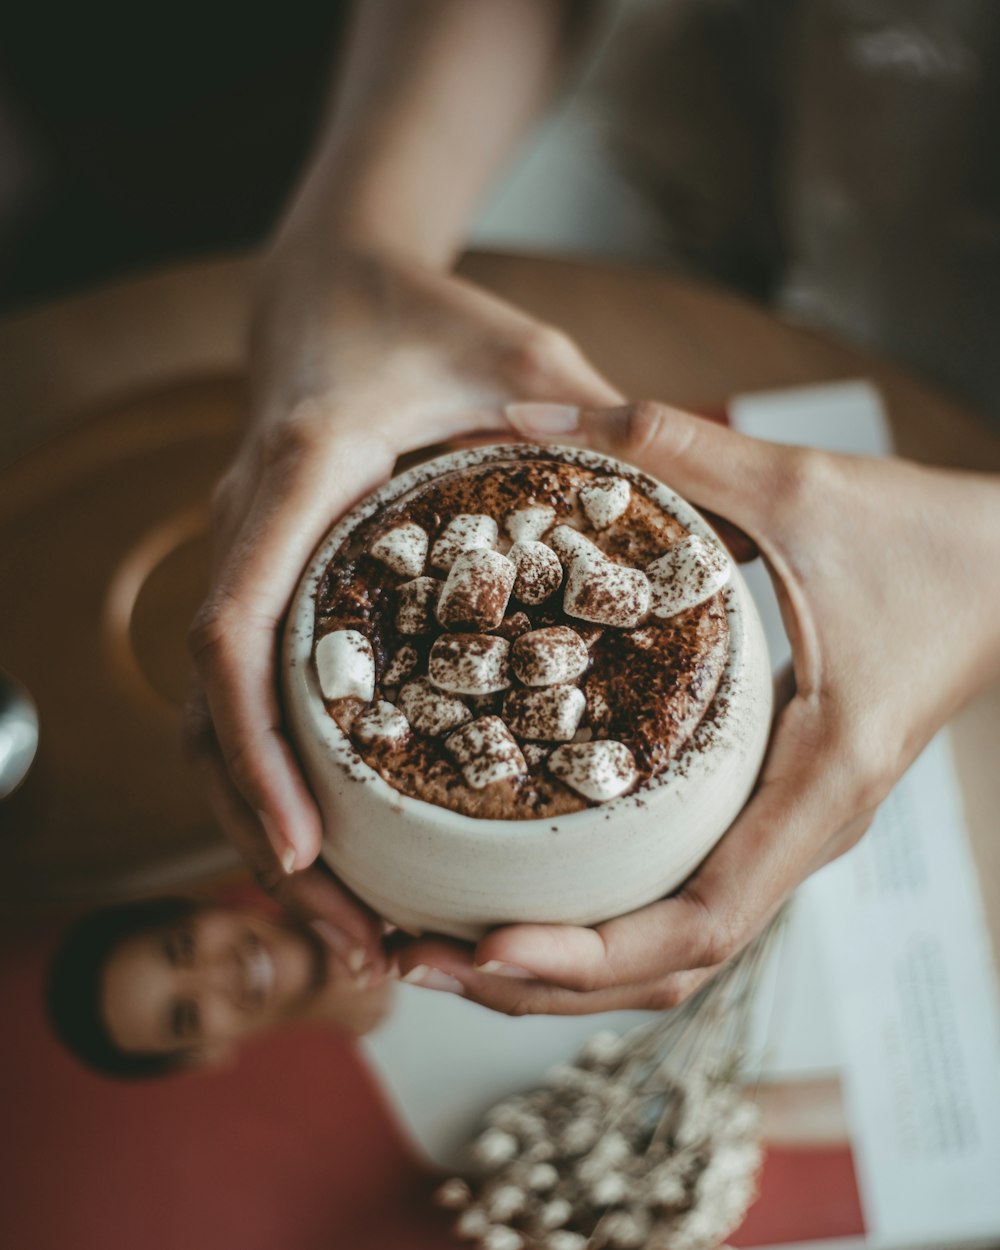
[[428, 869]]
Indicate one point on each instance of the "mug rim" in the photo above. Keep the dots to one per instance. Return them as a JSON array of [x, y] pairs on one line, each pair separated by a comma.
[[299, 671]]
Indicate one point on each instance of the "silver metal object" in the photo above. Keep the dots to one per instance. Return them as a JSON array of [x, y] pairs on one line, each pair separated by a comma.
[[18, 733]]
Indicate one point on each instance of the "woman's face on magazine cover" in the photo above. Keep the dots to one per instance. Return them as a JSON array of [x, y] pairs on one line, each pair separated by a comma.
[[202, 983]]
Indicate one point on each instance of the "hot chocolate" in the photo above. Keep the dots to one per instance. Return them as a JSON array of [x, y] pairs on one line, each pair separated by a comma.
[[522, 639], [524, 684]]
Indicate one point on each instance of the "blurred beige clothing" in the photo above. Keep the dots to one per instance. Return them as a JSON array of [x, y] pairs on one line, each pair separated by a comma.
[[839, 158]]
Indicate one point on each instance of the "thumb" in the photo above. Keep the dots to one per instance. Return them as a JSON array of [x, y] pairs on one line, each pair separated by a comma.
[[714, 467]]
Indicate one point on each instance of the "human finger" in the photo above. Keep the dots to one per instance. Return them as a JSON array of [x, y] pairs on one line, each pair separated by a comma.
[[771, 847], [233, 640], [725, 472], [437, 964], [346, 925]]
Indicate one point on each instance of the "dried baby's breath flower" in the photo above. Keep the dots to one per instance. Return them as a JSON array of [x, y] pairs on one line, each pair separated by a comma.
[[644, 1142]]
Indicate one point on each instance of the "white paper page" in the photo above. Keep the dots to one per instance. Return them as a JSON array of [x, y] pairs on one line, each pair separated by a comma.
[[915, 1000]]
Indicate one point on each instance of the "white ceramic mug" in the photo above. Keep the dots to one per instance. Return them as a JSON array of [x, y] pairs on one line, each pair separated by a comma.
[[426, 868]]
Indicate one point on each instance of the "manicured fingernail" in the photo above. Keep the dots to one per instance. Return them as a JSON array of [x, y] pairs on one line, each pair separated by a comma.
[[498, 969], [433, 979], [279, 844], [345, 947], [542, 419]]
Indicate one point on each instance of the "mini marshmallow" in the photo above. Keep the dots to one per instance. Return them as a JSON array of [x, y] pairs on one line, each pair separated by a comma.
[[345, 665], [598, 770], [605, 501], [453, 1195], [549, 714], [543, 1177], [564, 1239], [429, 710], [535, 753], [529, 524], [506, 1202], [569, 543], [690, 572], [381, 725], [416, 601], [609, 1189], [470, 663], [500, 1237], [477, 591], [486, 752], [605, 593], [473, 1223], [402, 549], [401, 665], [465, 532], [548, 656], [555, 1213], [539, 573]]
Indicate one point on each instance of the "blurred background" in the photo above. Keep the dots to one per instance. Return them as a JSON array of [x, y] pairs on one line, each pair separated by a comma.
[[837, 159]]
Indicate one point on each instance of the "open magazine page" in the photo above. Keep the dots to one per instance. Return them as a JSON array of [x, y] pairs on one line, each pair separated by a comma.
[[879, 1037], [892, 1040]]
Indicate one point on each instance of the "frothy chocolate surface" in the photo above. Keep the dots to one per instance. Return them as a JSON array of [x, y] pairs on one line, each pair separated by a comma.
[[511, 611]]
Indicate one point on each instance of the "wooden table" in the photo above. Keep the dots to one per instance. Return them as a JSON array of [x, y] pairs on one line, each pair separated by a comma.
[[122, 405]]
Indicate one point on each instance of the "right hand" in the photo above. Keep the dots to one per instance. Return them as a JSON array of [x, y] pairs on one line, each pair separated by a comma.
[[357, 358]]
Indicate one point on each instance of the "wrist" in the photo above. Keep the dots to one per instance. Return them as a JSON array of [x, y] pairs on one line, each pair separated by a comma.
[[375, 209]]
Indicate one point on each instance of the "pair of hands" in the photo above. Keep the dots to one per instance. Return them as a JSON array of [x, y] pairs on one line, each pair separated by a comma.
[[880, 568]]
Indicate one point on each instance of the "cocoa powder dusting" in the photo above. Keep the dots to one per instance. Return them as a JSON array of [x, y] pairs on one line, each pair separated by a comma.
[[648, 688]]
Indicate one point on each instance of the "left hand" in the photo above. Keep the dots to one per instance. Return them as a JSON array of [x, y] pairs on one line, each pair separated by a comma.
[[886, 575]]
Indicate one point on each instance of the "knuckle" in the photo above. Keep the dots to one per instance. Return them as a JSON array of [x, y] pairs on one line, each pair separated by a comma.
[[854, 831], [243, 769], [870, 764], [859, 758], [646, 423], [543, 351], [720, 936], [802, 481], [295, 435], [591, 980], [665, 996], [518, 1007]]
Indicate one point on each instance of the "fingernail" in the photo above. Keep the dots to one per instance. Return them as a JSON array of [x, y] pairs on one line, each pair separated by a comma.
[[345, 947], [498, 969], [279, 844], [433, 979], [544, 419]]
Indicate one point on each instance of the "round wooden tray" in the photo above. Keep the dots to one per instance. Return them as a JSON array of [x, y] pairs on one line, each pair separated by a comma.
[[104, 555]]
